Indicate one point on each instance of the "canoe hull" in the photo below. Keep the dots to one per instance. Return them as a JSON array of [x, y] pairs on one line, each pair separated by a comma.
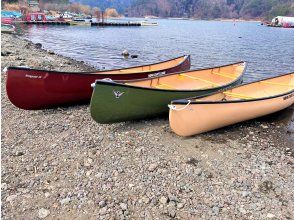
[[38, 89], [113, 102], [196, 119]]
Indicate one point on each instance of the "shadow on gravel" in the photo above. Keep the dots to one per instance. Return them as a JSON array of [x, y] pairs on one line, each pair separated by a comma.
[[280, 124]]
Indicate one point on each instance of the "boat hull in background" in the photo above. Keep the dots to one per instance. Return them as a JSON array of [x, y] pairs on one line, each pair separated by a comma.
[[33, 89]]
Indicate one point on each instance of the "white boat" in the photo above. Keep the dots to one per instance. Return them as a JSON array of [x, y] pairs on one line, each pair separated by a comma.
[[81, 22], [146, 23], [283, 21]]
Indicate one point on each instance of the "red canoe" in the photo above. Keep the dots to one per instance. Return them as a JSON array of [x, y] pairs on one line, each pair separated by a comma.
[[34, 89]]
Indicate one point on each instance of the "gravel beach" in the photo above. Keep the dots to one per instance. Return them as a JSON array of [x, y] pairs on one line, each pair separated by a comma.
[[60, 164]]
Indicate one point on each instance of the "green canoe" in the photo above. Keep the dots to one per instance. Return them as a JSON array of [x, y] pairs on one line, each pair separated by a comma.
[[139, 99]]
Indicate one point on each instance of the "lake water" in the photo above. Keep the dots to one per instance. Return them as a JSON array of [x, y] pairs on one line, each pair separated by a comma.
[[268, 51]]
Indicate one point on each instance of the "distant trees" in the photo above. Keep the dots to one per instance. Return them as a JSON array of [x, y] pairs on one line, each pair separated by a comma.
[[207, 9], [63, 6], [96, 12], [85, 9], [111, 12]]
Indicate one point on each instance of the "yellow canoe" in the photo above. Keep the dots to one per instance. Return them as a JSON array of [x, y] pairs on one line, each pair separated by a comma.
[[194, 116]]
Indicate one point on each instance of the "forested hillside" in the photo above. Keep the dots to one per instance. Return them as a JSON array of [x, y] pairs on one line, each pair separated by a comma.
[[204, 9], [208, 9], [119, 5]]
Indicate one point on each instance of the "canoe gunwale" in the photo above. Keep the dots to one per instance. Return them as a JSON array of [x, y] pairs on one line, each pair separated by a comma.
[[189, 71], [102, 72], [188, 100], [122, 82]]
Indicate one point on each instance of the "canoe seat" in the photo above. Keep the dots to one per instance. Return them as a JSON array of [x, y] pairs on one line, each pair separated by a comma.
[[196, 78], [238, 95], [279, 84]]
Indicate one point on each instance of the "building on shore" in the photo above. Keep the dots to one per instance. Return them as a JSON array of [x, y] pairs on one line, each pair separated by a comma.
[[282, 21]]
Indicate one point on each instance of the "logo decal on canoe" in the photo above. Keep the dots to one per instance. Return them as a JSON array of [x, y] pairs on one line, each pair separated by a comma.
[[289, 96], [33, 76], [117, 94], [156, 74]]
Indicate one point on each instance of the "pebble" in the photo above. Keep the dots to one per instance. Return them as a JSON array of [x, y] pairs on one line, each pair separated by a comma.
[[180, 205], [163, 200], [124, 206], [102, 204], [245, 194], [4, 186], [152, 167], [5, 53], [172, 213], [146, 200], [88, 162], [270, 215], [65, 201], [11, 198], [198, 171], [242, 210], [173, 198], [38, 45], [47, 194], [19, 153], [125, 53], [43, 213], [215, 210], [103, 211]]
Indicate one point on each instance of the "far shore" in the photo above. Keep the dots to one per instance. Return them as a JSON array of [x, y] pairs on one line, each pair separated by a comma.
[[257, 20]]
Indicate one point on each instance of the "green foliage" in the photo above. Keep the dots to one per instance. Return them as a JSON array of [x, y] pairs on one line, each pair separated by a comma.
[[281, 10]]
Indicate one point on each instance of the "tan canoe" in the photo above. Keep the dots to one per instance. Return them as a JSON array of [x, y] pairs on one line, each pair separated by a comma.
[[194, 116]]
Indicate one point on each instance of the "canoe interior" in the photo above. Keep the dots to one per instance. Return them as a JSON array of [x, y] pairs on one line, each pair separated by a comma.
[[149, 68], [256, 90], [194, 80]]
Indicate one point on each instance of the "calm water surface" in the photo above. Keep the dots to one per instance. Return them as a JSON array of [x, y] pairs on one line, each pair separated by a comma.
[[268, 51]]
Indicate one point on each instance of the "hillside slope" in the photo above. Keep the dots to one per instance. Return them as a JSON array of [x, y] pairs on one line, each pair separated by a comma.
[[119, 5], [207, 9]]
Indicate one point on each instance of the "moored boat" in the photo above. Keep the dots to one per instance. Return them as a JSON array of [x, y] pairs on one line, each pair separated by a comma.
[[80, 22], [146, 23], [139, 99], [197, 115], [7, 28], [38, 89]]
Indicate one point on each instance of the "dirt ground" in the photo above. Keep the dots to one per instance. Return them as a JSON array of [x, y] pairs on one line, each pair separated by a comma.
[[60, 164]]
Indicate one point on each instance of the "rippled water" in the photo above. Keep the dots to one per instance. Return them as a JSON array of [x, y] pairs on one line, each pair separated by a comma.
[[269, 51]]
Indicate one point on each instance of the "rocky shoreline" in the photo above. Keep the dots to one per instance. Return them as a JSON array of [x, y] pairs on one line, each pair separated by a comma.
[[60, 164]]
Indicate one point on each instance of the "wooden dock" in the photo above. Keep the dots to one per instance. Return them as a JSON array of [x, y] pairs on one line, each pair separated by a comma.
[[44, 22], [116, 24], [100, 24]]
